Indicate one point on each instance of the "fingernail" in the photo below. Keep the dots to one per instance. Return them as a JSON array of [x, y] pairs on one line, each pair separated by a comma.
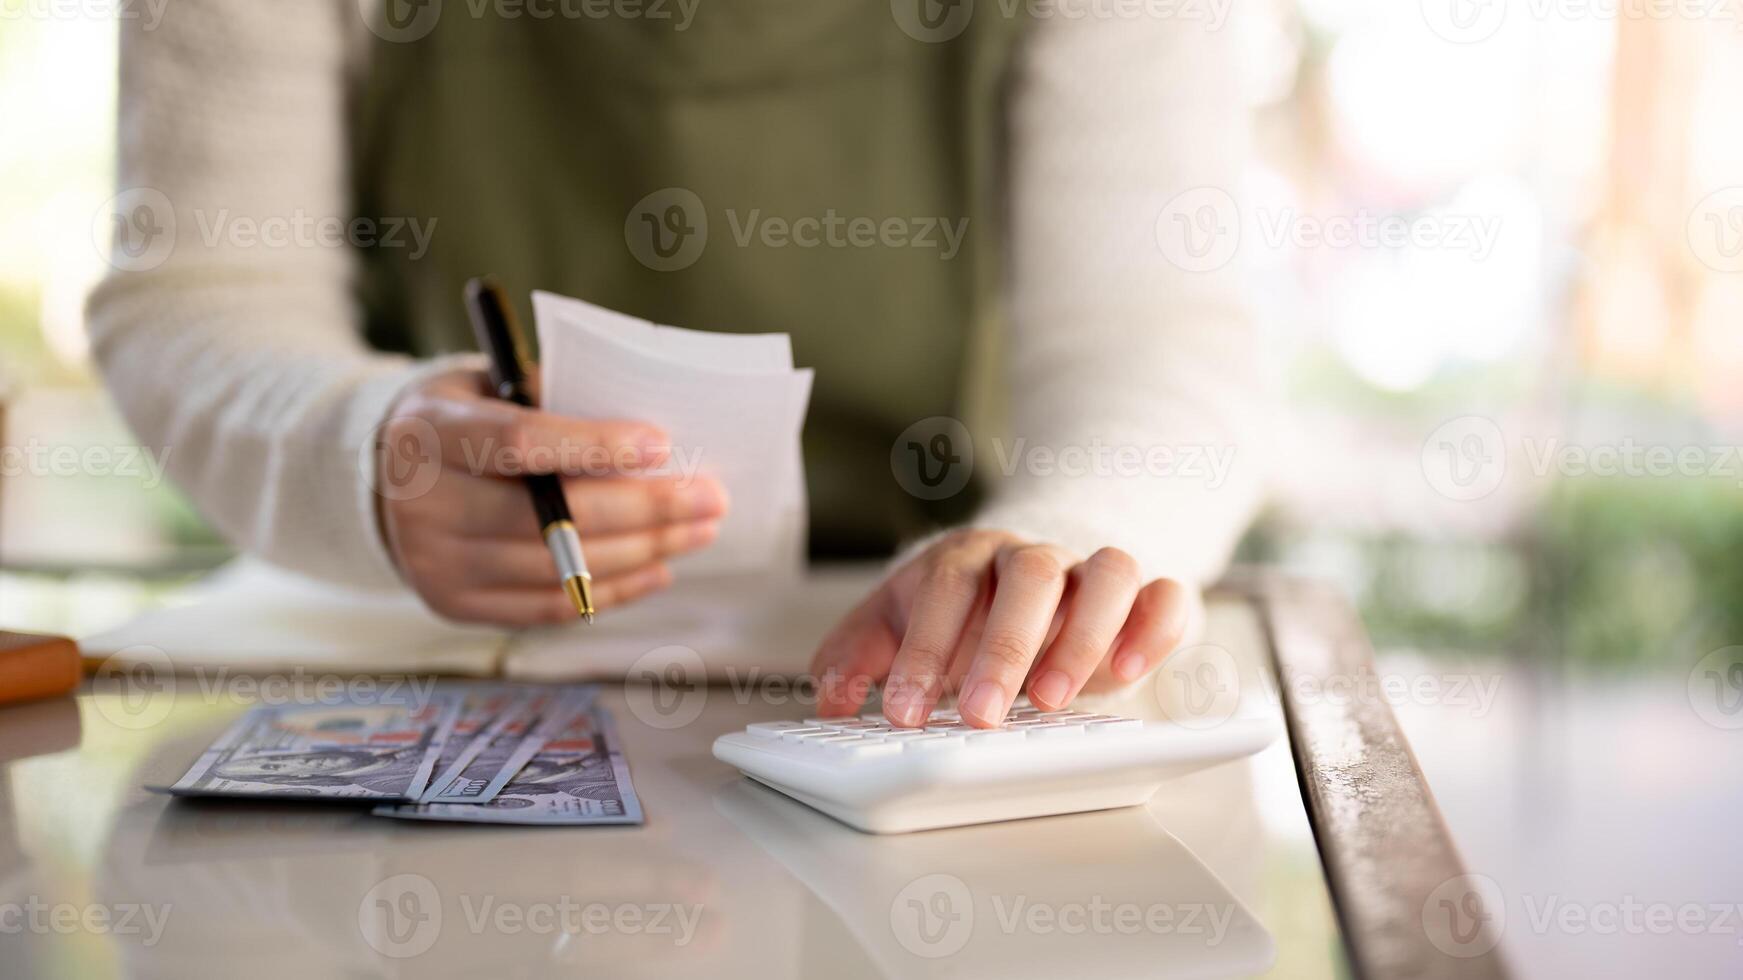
[[902, 703], [1051, 688], [986, 703], [1129, 666]]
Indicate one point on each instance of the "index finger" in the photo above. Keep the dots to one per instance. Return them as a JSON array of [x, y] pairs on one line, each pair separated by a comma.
[[1031, 581], [488, 437]]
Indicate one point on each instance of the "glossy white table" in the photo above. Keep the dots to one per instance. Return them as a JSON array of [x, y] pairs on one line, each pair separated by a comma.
[[1217, 876]]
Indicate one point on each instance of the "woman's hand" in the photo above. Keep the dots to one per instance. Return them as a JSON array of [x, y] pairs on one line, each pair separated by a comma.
[[459, 522], [982, 611]]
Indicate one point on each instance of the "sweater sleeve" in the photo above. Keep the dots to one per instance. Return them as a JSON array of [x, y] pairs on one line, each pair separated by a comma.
[[1138, 406], [233, 342]]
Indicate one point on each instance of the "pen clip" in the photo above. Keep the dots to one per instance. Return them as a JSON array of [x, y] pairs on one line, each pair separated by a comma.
[[499, 337]]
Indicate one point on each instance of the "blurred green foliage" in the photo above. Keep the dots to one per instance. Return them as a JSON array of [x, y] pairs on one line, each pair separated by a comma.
[[1605, 572], [1641, 570]]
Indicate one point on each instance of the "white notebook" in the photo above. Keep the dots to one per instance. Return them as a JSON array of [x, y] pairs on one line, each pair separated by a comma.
[[255, 618]]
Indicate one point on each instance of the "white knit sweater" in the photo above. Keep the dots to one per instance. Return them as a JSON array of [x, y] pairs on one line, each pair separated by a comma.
[[248, 362]]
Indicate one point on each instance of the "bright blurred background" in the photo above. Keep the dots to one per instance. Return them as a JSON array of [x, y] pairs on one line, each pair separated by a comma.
[[1498, 247]]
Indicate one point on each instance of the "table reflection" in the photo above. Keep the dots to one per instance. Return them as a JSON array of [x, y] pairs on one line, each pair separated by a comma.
[[1108, 894]]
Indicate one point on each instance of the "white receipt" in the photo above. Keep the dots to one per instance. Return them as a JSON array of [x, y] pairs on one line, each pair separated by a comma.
[[733, 405]]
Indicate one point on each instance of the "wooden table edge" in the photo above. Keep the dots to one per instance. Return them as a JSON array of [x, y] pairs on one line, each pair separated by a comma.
[[1384, 845]]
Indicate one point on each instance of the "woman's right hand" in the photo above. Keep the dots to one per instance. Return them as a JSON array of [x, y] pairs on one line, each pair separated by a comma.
[[459, 523]]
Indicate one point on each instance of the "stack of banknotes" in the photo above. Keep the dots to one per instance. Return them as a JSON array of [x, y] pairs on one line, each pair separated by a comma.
[[464, 752]]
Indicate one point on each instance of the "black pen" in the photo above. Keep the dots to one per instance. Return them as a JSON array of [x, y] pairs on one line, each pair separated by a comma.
[[500, 340]]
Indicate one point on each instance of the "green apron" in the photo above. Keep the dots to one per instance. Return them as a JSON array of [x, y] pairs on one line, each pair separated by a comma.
[[534, 143]]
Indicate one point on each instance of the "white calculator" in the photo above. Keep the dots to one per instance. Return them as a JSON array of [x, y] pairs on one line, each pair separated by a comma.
[[887, 780]]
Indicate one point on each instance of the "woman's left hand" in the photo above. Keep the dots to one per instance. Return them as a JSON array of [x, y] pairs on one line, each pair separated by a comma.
[[990, 610]]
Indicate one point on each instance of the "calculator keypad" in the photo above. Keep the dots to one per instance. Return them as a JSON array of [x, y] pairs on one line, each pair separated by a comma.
[[871, 736]]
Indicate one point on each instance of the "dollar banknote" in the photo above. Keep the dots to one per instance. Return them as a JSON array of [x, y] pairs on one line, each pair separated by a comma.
[[485, 711], [508, 745], [578, 776], [383, 749]]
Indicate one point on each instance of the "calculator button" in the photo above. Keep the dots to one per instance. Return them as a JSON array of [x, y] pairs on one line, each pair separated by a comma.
[[1115, 725], [948, 727], [834, 738], [805, 734], [864, 748], [998, 736], [773, 729], [1055, 730], [930, 742]]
